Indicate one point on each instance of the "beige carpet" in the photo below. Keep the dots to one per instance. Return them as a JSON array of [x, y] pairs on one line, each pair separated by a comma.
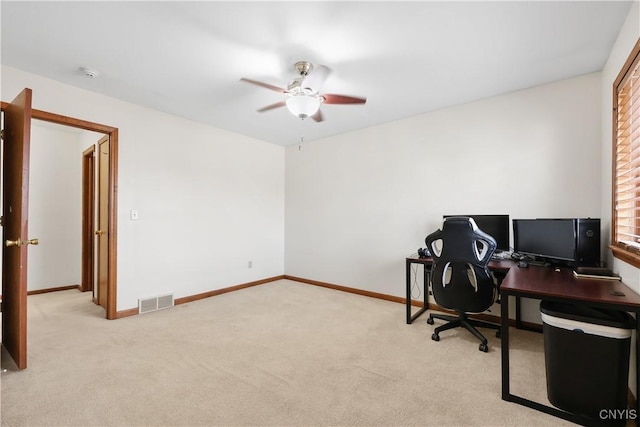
[[282, 353]]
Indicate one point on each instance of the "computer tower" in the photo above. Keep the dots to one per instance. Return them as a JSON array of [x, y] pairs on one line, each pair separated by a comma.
[[588, 242]]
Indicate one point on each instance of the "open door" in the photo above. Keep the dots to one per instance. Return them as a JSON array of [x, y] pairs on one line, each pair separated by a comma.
[[15, 169], [103, 231], [88, 219]]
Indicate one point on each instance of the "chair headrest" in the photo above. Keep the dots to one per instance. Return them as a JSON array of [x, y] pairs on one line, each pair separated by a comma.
[[462, 240], [459, 221]]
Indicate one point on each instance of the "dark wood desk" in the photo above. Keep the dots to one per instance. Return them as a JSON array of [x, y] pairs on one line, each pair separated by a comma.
[[541, 283], [548, 284]]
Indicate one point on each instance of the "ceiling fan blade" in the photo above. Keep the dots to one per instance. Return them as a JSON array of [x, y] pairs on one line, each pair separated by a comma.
[[318, 116], [342, 99], [272, 106], [265, 85]]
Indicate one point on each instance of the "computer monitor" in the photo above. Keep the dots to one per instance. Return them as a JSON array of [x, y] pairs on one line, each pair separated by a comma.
[[546, 238], [497, 226]]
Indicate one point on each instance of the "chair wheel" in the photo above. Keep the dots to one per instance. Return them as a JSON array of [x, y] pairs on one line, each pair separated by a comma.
[[484, 347], [435, 337], [498, 334], [430, 321]]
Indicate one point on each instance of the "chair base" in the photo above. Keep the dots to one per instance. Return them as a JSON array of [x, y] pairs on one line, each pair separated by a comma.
[[462, 320]]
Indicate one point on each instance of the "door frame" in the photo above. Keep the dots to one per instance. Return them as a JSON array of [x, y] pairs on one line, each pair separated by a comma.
[[111, 309]]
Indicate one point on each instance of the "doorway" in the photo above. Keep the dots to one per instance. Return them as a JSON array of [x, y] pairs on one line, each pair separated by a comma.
[[111, 134]]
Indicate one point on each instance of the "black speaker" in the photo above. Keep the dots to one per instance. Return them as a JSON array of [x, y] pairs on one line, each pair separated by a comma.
[[588, 242]]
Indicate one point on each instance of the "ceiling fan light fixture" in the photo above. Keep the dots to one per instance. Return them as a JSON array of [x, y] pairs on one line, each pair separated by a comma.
[[303, 106]]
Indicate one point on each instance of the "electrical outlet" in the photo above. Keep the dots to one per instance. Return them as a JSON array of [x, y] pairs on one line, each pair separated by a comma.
[[250, 264]]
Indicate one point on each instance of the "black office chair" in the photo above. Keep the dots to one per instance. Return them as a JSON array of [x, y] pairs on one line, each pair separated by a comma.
[[459, 279]]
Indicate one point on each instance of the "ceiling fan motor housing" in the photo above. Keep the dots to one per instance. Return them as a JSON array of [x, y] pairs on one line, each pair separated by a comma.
[[303, 67]]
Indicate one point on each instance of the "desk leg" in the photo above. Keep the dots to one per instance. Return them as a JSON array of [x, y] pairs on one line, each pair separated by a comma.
[[637, 368], [504, 337], [425, 305], [426, 278], [408, 299], [518, 321]]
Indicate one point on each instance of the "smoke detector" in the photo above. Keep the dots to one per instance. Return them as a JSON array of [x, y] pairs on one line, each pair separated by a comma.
[[92, 74]]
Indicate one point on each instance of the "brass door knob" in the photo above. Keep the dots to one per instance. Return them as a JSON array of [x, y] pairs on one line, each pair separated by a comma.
[[21, 242], [18, 243], [99, 232]]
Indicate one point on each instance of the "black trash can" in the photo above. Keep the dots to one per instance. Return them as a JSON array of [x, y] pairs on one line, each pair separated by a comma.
[[587, 360]]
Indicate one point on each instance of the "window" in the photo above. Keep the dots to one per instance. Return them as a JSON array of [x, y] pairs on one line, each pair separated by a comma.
[[625, 239]]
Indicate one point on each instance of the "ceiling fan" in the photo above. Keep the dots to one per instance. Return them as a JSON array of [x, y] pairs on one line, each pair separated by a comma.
[[303, 93]]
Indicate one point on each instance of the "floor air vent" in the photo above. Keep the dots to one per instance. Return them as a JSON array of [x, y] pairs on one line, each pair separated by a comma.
[[155, 303]]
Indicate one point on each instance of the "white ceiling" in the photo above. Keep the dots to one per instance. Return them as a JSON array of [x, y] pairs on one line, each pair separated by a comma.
[[406, 58]]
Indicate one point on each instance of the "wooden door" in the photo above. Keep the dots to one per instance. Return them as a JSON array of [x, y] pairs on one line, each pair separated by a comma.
[[88, 219], [103, 220], [15, 240]]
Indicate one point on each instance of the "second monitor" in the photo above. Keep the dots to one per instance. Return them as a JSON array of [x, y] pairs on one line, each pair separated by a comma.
[[497, 226], [572, 241]]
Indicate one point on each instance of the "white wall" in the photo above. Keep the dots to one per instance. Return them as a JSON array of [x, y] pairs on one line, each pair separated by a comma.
[[209, 200], [359, 203], [55, 196]]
